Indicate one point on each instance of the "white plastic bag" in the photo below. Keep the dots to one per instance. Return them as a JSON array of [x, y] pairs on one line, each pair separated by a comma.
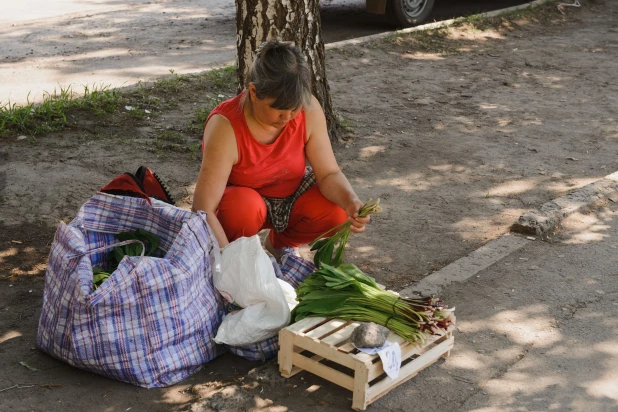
[[247, 278]]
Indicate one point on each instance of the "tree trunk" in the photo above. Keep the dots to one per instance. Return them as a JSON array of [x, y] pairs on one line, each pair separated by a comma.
[[292, 20]]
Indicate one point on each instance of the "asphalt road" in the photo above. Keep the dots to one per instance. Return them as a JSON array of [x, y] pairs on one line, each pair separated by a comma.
[[120, 42]]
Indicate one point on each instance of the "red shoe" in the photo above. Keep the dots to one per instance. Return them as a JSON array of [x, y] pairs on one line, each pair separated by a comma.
[[153, 186], [144, 184]]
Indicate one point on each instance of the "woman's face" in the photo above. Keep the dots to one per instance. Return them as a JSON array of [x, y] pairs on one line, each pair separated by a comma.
[[264, 113]]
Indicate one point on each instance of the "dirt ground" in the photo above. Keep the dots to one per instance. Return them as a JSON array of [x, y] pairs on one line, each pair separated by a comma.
[[458, 132]]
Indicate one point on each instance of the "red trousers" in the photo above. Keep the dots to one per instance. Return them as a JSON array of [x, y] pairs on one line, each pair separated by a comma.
[[242, 212]]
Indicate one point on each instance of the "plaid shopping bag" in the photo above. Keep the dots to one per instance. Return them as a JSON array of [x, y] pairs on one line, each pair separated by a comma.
[[152, 322]]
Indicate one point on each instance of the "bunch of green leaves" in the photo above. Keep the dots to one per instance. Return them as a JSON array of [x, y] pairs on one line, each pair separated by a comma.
[[324, 248], [345, 292], [146, 240]]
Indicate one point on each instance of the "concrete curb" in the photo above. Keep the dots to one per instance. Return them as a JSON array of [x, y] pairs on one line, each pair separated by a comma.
[[429, 26], [549, 215], [468, 266], [536, 222]]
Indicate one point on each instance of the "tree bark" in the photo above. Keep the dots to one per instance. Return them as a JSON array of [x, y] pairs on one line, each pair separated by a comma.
[[287, 20]]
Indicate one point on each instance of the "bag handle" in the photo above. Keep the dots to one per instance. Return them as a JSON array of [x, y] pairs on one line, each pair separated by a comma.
[[125, 242]]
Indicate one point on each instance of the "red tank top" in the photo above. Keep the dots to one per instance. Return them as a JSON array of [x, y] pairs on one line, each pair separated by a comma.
[[273, 170]]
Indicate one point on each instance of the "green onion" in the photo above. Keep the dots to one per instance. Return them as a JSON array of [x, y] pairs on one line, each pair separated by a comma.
[[336, 243], [345, 292]]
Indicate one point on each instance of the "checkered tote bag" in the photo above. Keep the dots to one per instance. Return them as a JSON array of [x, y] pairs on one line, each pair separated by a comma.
[[152, 322]]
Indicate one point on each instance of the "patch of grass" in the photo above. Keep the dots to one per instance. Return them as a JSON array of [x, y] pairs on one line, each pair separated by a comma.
[[222, 79], [475, 22], [428, 41], [142, 97], [136, 112], [51, 114], [344, 124], [172, 137], [201, 113], [118, 113], [172, 83], [100, 99]]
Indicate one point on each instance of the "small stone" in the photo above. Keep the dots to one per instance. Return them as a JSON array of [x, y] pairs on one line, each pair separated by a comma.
[[22, 137], [369, 335], [600, 292], [480, 351]]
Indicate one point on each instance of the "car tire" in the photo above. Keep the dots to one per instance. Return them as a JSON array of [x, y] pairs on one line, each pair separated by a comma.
[[407, 13]]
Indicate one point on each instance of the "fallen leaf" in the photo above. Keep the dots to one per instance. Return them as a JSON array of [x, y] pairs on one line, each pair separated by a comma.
[[33, 369]]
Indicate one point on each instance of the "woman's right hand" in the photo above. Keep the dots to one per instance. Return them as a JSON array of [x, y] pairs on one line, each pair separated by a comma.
[[358, 223]]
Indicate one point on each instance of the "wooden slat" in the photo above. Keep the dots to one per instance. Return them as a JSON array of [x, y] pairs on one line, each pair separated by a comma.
[[365, 357], [325, 350], [304, 324], [286, 349], [323, 371], [296, 369], [326, 329], [406, 352], [346, 348], [341, 335], [410, 370], [361, 387]]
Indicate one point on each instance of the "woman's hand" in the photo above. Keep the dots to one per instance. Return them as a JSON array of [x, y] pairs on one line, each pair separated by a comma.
[[358, 223]]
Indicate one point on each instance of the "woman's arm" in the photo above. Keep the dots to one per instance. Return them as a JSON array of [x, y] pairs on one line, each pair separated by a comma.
[[332, 182], [220, 154]]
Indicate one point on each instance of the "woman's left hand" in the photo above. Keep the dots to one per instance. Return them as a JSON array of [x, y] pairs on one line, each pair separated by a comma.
[[358, 223]]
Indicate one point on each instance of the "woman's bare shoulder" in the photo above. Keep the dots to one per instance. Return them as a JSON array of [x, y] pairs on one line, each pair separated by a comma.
[[314, 118], [219, 137], [314, 108]]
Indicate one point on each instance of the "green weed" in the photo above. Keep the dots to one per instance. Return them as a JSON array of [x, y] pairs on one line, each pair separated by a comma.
[[201, 113], [51, 113], [171, 83], [222, 79], [171, 136], [344, 124]]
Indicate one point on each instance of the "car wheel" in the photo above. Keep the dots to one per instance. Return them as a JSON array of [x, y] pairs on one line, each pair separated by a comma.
[[406, 13]]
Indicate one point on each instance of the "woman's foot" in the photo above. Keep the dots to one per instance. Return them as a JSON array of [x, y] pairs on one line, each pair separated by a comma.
[[272, 250], [278, 253]]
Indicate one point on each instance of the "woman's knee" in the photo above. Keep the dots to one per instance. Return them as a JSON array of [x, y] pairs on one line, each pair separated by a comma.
[[241, 212], [314, 207], [333, 216]]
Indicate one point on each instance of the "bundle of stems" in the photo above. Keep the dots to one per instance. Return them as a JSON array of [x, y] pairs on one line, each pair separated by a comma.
[[336, 243], [345, 292]]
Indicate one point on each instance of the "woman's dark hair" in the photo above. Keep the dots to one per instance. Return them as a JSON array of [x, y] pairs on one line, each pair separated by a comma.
[[280, 72]]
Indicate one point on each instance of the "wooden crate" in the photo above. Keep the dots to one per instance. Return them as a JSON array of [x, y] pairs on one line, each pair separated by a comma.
[[322, 346]]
